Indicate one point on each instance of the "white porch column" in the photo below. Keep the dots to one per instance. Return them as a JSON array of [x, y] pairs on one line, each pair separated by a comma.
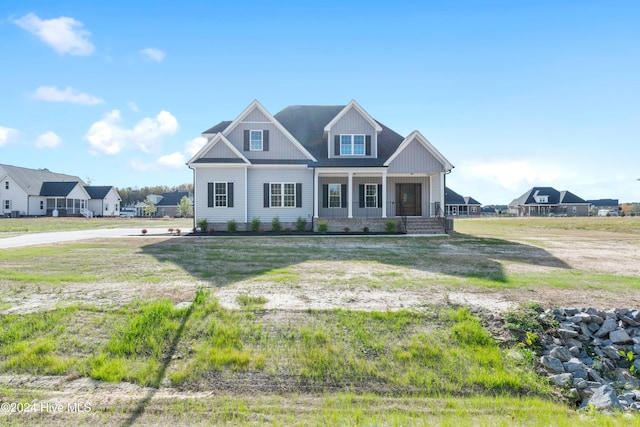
[[384, 194], [442, 203], [315, 193], [350, 196]]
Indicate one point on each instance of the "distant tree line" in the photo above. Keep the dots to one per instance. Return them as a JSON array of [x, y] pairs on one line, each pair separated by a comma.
[[133, 195]]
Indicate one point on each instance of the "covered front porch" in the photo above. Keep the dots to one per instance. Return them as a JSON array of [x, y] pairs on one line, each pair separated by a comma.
[[368, 197]]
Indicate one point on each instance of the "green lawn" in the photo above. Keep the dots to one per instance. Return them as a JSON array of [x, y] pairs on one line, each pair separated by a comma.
[[144, 311]]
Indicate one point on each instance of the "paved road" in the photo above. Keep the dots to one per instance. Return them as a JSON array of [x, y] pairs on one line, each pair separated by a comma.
[[30, 239]]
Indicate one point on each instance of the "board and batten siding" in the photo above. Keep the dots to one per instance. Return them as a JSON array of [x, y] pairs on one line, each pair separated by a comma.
[[353, 123], [415, 158], [220, 151], [257, 177], [280, 147], [212, 214]]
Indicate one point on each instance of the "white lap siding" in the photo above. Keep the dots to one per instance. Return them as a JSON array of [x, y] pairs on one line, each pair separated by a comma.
[[204, 176], [257, 177]]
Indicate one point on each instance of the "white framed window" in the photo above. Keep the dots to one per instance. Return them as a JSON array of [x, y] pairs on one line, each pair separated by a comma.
[[255, 140], [282, 194], [335, 195], [106, 207], [474, 209], [220, 194], [7, 205], [352, 145], [371, 195], [6, 185], [41, 205], [574, 209]]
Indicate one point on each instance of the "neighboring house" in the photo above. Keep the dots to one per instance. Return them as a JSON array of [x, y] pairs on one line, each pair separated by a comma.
[[168, 204], [333, 163], [547, 201], [604, 204], [40, 192], [457, 205], [104, 200]]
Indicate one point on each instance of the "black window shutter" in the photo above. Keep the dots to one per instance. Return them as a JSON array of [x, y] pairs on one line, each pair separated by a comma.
[[298, 195], [361, 195], [343, 195], [336, 145], [230, 194], [266, 195], [246, 140], [368, 145], [265, 140], [325, 196], [379, 195], [210, 194]]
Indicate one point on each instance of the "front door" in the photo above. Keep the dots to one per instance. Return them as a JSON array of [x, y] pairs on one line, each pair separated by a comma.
[[408, 199]]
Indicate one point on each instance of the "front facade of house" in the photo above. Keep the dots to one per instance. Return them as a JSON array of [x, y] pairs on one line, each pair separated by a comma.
[[40, 192], [547, 201], [333, 163], [457, 205]]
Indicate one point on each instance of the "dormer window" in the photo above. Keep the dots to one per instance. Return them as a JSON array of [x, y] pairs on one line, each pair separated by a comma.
[[352, 145], [542, 199], [255, 143]]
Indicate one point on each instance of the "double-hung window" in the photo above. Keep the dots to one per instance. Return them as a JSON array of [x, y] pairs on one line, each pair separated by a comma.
[[255, 140], [371, 195], [335, 196], [220, 196], [7, 205], [282, 195], [352, 145], [6, 185]]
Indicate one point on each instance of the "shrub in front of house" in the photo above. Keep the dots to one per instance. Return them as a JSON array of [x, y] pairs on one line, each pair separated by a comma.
[[390, 226], [203, 225], [232, 226], [323, 226], [275, 224], [301, 224], [365, 229], [255, 224]]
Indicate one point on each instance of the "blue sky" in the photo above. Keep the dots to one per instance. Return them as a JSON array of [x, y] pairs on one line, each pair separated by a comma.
[[514, 93]]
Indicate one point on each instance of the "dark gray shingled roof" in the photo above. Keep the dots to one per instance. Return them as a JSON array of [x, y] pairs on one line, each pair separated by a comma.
[[172, 199], [219, 127], [306, 123], [472, 201], [604, 202], [98, 191], [57, 189], [452, 198], [555, 197]]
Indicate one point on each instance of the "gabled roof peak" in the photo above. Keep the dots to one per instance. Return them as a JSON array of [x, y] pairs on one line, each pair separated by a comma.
[[353, 105]]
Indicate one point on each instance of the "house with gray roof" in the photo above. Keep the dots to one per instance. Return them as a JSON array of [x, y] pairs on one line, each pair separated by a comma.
[[40, 192], [104, 200], [457, 205], [317, 162], [547, 201]]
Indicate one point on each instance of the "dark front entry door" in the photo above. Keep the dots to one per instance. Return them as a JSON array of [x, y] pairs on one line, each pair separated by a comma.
[[408, 199]]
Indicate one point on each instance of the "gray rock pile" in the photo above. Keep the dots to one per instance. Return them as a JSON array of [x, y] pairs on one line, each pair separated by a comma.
[[595, 355]]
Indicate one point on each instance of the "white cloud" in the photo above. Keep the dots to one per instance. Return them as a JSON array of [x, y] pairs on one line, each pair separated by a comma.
[[174, 160], [107, 136], [193, 146], [53, 94], [64, 34], [153, 54], [48, 140], [7, 135]]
